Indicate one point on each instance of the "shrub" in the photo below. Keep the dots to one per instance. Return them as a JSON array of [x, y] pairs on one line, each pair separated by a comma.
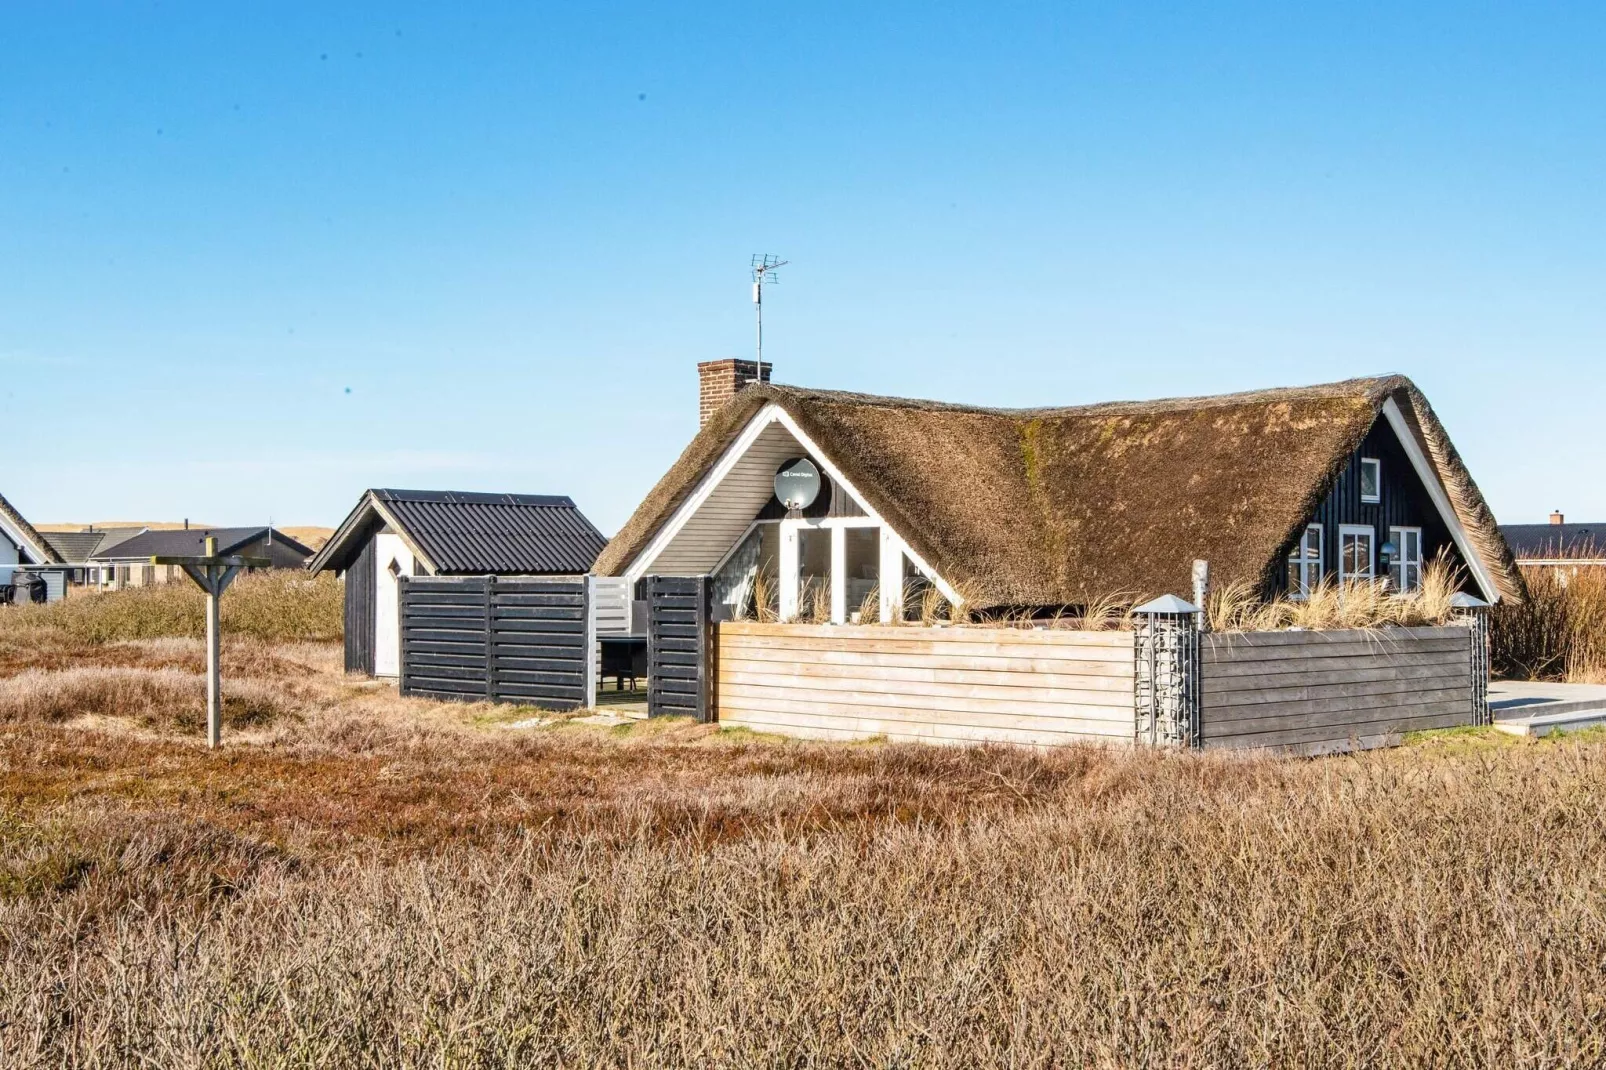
[[153, 697], [1558, 632], [281, 605]]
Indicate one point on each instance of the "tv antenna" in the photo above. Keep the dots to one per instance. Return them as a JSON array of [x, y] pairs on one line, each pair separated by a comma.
[[764, 268]]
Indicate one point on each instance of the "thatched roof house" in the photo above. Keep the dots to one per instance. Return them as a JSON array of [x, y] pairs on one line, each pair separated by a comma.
[[1057, 506]]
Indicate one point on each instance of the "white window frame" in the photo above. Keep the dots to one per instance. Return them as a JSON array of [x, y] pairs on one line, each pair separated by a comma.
[[1306, 581], [791, 563], [1397, 537], [1346, 530], [1377, 464]]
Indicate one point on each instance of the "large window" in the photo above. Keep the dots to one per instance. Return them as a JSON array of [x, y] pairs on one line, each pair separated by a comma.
[[861, 566], [1305, 563], [1357, 553], [814, 574], [1405, 570], [1371, 480]]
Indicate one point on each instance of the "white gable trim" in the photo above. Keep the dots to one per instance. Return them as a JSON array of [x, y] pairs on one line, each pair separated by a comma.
[[401, 533], [770, 414], [23, 543], [1441, 500]]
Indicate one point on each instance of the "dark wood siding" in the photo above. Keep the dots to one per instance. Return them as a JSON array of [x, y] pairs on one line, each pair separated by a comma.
[[1405, 503], [360, 608]]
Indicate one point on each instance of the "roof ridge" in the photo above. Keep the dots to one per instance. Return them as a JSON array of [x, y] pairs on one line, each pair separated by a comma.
[[477, 497], [1374, 388]]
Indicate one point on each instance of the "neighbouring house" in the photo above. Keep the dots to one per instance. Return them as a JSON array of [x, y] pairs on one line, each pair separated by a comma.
[[77, 546], [1557, 544], [127, 562], [21, 544], [396, 533], [1046, 508]]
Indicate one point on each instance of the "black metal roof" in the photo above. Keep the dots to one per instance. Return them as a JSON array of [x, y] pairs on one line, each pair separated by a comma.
[[181, 542], [469, 533], [1550, 541]]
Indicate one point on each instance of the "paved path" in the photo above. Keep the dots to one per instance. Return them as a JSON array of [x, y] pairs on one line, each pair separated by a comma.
[[1535, 708]]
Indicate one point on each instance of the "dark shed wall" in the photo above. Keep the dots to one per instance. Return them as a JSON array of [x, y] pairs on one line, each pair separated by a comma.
[[360, 610], [1405, 503]]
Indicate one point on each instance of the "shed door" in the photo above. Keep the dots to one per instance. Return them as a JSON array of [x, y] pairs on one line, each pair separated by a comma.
[[391, 559]]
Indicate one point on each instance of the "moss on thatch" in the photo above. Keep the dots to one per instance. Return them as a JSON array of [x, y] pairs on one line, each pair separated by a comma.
[[1060, 506]]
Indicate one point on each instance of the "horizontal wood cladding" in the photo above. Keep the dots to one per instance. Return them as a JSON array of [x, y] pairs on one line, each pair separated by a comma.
[[951, 685], [1321, 692], [730, 507], [495, 639]]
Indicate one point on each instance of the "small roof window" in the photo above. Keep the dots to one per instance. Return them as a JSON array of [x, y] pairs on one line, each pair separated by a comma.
[[1371, 480]]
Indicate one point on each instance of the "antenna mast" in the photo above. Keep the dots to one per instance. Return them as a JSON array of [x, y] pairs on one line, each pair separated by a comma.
[[764, 270]]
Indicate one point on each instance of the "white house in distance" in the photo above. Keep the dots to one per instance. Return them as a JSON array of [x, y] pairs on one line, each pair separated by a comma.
[[21, 544]]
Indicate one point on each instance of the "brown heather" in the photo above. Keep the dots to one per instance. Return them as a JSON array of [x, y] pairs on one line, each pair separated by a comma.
[[362, 880], [282, 605], [1559, 631]]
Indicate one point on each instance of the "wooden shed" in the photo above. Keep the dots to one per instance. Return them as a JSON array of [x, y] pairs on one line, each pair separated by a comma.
[[396, 533]]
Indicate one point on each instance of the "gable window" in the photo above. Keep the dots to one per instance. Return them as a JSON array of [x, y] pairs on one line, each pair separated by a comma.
[[1371, 480], [1405, 570], [1357, 553], [1305, 563]]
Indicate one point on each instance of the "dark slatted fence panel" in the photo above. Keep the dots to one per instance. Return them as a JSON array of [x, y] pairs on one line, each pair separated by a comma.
[[539, 636], [506, 640], [679, 647], [443, 637], [1316, 692]]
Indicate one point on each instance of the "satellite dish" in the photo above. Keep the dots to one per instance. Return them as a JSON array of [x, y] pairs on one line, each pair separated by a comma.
[[797, 483]]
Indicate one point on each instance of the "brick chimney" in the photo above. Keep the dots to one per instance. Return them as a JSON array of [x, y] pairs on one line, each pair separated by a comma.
[[1557, 517], [719, 380]]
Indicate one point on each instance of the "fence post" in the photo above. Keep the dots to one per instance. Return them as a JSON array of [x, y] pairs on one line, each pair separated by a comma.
[[1474, 613], [402, 683], [1201, 593], [490, 638], [588, 606], [1168, 674]]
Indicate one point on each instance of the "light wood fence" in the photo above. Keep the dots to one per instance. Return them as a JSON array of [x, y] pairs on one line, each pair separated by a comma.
[[952, 685], [1318, 692]]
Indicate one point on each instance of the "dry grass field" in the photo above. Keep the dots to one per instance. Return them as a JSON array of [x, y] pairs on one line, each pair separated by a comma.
[[361, 880]]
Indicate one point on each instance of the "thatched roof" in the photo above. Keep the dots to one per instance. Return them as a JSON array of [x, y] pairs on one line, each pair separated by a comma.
[[40, 545], [1056, 506]]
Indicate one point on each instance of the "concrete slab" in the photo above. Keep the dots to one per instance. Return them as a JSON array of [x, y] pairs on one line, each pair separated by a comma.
[[1536, 708]]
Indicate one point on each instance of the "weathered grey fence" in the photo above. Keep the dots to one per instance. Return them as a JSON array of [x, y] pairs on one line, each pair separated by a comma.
[[1316, 692], [680, 647], [499, 639]]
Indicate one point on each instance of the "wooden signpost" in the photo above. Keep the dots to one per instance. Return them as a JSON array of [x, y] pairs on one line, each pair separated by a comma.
[[213, 574]]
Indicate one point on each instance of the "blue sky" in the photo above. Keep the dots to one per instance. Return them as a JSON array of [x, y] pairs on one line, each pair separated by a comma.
[[254, 259]]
